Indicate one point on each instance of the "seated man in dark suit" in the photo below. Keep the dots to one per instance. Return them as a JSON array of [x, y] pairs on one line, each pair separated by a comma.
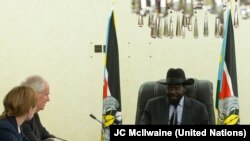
[[175, 108], [34, 129]]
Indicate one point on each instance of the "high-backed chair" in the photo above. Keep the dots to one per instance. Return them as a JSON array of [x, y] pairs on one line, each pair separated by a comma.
[[201, 90]]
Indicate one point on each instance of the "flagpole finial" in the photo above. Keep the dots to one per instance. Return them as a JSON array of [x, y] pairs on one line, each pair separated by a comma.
[[231, 4], [113, 4]]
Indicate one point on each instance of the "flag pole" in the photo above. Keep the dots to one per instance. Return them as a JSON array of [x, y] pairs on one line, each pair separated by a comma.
[[113, 5], [112, 114], [227, 103]]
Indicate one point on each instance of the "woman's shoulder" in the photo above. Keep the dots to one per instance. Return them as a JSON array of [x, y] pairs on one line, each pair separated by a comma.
[[7, 123]]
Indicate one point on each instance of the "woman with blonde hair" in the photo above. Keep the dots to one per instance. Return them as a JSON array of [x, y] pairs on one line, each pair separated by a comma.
[[19, 106]]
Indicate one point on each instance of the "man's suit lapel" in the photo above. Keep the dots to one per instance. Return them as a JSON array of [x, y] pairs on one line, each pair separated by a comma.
[[186, 117], [35, 123], [165, 113]]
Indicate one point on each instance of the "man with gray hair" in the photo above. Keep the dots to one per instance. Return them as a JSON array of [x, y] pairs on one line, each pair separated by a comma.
[[34, 129]]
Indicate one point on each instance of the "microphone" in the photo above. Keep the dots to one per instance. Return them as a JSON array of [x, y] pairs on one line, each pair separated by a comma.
[[60, 139], [92, 116]]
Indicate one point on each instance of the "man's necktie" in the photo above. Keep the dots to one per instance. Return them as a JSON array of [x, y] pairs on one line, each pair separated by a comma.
[[173, 119]]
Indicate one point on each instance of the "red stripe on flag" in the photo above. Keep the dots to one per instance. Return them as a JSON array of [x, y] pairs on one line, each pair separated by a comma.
[[225, 90], [105, 89]]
